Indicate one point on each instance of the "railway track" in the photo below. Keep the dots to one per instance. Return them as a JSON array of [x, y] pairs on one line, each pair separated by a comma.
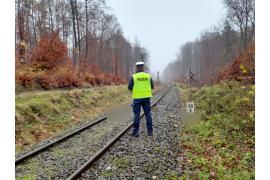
[[99, 154], [42, 148], [144, 157], [56, 141]]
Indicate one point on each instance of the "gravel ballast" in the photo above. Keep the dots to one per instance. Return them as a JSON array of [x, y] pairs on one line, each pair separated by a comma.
[[146, 157], [63, 159]]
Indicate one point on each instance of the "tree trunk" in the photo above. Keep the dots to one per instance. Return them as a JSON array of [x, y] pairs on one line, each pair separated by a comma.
[[75, 48], [78, 33], [33, 24], [51, 15], [86, 30], [21, 32], [78, 25]]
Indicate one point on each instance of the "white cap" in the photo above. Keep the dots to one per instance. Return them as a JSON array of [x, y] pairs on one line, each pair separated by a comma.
[[139, 63]]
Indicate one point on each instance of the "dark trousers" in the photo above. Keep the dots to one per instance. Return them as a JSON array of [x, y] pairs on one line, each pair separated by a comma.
[[145, 104]]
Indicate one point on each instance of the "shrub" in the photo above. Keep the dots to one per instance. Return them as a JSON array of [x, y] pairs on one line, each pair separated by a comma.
[[49, 52], [230, 105], [117, 80], [66, 77], [48, 73], [90, 78], [24, 76], [242, 69], [25, 80], [43, 80], [107, 80]]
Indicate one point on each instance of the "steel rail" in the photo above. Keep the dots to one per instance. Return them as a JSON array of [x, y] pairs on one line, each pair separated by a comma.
[[91, 161], [156, 92], [46, 146]]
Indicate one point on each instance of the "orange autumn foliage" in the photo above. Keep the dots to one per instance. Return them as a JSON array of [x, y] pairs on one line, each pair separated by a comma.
[[50, 52], [64, 76], [242, 69], [50, 67]]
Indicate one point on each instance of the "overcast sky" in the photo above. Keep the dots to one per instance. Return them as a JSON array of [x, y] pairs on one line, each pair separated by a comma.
[[162, 26]]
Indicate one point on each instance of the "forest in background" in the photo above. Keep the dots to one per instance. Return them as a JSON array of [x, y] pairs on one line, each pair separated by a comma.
[[223, 52], [72, 43]]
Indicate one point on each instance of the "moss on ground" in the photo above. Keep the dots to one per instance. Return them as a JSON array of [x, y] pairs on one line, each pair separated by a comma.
[[121, 163], [27, 177], [33, 165], [42, 114], [118, 166], [171, 175], [108, 173], [162, 150]]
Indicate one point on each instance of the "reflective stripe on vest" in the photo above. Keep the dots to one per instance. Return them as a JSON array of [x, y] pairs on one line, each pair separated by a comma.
[[142, 86]]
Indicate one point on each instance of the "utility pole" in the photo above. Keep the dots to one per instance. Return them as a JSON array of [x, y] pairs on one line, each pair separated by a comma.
[[189, 78], [142, 57], [158, 78]]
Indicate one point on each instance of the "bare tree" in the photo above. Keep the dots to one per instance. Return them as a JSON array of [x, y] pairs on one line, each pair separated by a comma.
[[75, 49], [86, 28], [242, 13], [204, 57], [90, 31]]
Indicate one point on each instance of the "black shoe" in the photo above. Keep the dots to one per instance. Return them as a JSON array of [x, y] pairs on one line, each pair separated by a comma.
[[150, 134], [135, 135]]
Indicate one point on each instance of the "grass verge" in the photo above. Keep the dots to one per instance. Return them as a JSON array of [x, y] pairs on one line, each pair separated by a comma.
[[221, 144], [40, 115]]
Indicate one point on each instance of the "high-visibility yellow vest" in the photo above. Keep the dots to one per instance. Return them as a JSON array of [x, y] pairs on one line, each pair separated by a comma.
[[141, 86]]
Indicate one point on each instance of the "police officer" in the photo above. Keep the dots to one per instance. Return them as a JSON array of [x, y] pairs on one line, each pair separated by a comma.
[[141, 85]]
